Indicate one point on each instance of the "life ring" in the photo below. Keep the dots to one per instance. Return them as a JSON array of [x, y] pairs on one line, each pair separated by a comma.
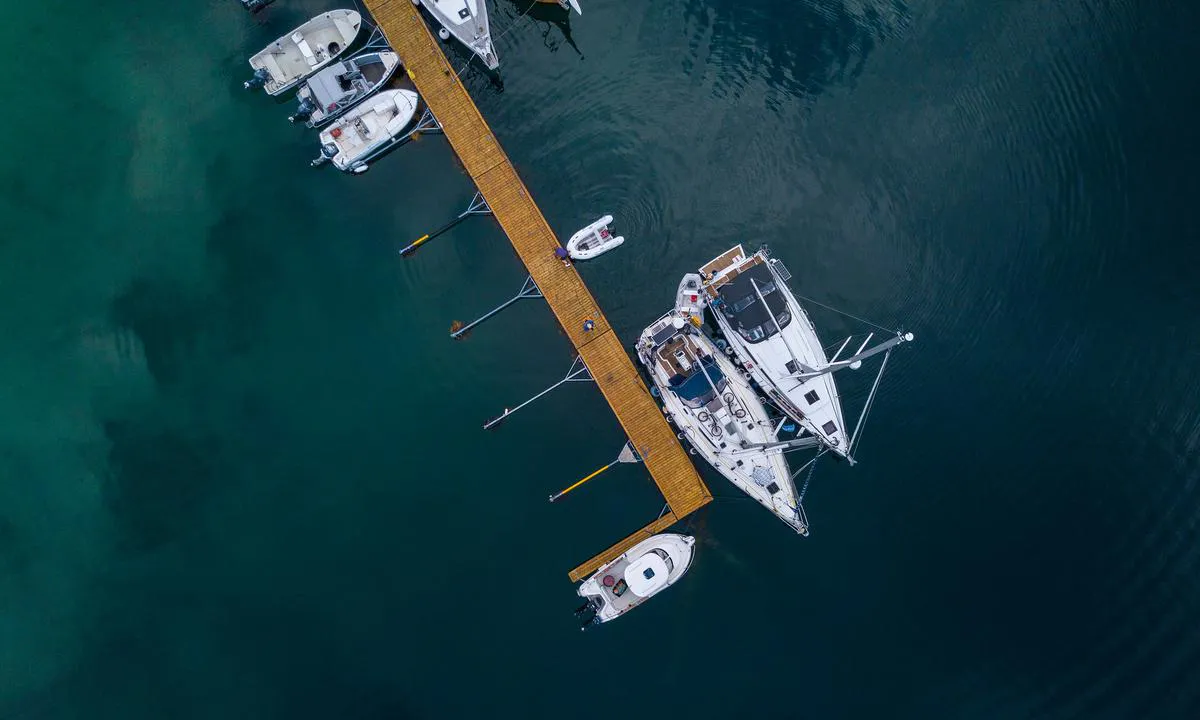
[[335, 133]]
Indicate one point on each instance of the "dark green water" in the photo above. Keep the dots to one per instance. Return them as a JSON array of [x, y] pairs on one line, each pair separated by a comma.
[[241, 469]]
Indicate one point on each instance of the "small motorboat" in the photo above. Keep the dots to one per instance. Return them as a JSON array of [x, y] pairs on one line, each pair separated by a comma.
[[334, 90], [467, 21], [303, 51], [593, 240], [642, 572], [367, 130], [689, 298]]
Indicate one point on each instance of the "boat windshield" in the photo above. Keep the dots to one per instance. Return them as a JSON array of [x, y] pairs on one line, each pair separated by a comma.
[[745, 310], [695, 390]]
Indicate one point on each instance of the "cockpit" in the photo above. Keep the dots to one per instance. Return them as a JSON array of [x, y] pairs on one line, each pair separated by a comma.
[[744, 309]]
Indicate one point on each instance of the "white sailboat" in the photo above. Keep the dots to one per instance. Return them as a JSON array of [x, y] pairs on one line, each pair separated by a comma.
[[717, 411], [281, 65], [467, 21], [777, 344], [642, 572]]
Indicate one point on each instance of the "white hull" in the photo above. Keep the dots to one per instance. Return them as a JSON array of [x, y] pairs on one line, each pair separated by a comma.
[[281, 65], [593, 240], [467, 21], [642, 572], [690, 299], [772, 356], [369, 129], [717, 411]]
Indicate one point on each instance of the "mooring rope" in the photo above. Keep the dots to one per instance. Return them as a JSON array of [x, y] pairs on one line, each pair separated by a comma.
[[804, 489]]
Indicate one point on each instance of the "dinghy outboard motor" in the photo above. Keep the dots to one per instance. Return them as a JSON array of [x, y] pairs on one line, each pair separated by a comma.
[[303, 111], [261, 76]]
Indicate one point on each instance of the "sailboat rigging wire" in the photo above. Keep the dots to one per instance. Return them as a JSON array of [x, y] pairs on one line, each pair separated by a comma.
[[514, 22], [810, 462], [870, 400], [842, 312]]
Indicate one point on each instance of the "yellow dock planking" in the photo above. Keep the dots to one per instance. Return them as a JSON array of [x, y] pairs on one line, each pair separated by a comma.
[[565, 292]]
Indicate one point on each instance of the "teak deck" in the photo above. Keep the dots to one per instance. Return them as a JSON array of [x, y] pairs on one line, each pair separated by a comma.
[[562, 287]]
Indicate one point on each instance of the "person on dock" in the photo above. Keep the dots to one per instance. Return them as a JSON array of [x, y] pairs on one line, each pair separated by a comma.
[[560, 252]]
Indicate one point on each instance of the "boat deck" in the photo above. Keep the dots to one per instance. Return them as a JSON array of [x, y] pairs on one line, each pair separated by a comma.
[[562, 287], [722, 264]]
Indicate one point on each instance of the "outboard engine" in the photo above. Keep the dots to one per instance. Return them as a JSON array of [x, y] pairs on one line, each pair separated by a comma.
[[328, 150], [261, 76], [303, 111], [256, 5]]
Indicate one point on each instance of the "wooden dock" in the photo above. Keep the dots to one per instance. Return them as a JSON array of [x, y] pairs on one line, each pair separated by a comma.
[[564, 290]]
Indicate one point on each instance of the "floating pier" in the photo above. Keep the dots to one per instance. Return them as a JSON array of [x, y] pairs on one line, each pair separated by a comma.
[[598, 347]]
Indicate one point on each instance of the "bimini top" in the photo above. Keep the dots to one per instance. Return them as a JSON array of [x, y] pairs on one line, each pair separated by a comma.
[[647, 574], [746, 312], [695, 389]]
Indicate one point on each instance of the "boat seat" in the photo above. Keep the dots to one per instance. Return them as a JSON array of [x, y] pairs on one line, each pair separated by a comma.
[[383, 107], [403, 104], [272, 66], [305, 49], [396, 124]]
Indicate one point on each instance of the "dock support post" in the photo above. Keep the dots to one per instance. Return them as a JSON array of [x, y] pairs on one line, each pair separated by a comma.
[[427, 123], [627, 455], [528, 290], [578, 373], [478, 206]]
